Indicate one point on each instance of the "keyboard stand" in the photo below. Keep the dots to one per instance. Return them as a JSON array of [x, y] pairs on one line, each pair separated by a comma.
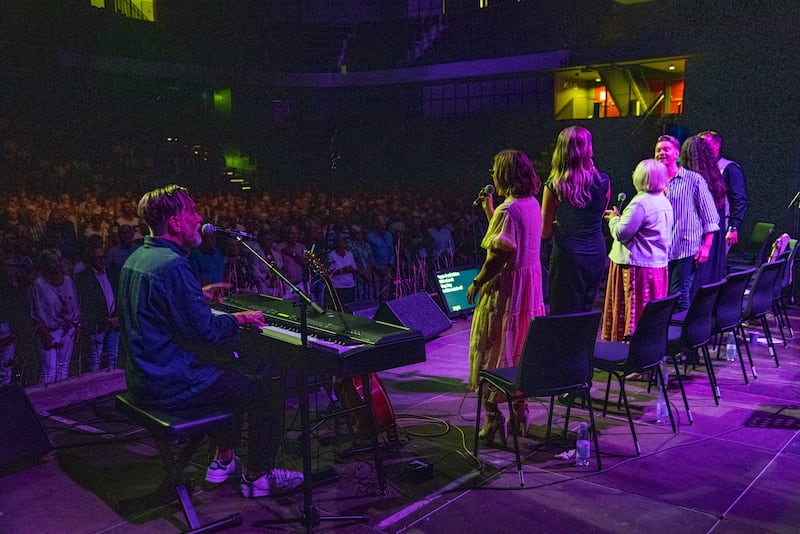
[[310, 517]]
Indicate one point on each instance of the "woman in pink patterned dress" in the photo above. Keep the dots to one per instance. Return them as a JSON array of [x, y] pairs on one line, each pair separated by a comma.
[[510, 282]]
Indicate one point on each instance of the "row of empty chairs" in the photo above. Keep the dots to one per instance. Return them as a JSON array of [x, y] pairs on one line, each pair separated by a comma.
[[561, 353]]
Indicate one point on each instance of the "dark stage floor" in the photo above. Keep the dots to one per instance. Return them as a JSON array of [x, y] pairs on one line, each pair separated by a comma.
[[735, 470]]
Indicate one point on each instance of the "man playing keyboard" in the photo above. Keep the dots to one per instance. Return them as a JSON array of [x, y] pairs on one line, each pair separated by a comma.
[[166, 320]]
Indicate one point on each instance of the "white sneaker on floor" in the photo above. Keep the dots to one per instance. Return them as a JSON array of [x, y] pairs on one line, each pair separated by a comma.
[[276, 482], [218, 473]]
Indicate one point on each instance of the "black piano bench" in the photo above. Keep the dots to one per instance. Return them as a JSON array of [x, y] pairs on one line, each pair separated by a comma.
[[167, 429]]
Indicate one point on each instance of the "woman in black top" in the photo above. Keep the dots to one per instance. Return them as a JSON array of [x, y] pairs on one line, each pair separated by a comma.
[[574, 200]]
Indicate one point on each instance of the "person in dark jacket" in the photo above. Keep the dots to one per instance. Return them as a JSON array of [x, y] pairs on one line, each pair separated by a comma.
[[166, 320]]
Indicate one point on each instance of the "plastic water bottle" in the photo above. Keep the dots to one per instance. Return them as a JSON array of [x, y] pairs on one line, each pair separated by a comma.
[[730, 349], [582, 445], [661, 409]]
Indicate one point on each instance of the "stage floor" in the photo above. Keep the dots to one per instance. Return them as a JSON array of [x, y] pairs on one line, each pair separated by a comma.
[[737, 469]]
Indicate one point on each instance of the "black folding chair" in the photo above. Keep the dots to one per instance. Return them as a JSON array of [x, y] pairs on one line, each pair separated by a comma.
[[644, 353], [556, 359]]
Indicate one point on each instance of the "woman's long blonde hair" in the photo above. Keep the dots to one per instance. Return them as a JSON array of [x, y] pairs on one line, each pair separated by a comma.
[[572, 170]]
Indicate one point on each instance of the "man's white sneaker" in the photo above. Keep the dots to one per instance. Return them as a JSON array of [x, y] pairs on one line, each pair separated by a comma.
[[218, 473], [275, 482]]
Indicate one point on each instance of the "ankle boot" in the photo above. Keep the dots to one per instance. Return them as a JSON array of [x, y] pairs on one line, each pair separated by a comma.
[[494, 422], [518, 419]]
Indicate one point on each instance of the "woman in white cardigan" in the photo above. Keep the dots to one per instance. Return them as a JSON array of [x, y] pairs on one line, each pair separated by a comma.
[[639, 254]]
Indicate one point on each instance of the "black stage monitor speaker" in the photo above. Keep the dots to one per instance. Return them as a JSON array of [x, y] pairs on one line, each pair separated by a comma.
[[417, 311], [22, 436]]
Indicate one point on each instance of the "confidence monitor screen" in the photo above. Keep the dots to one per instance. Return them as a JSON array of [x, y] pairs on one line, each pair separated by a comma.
[[452, 285]]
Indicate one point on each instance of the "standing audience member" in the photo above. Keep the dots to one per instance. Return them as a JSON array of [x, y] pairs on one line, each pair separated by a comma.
[[362, 254], [59, 233], [696, 220], [207, 260], [166, 319], [734, 181], [293, 251], [56, 314], [381, 241], [120, 252], [509, 282], [441, 243], [98, 310], [640, 251], [342, 267], [573, 203], [696, 155], [236, 271], [265, 281], [23, 253], [8, 313]]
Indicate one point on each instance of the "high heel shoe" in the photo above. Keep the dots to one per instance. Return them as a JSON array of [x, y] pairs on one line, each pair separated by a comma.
[[495, 421], [519, 420]]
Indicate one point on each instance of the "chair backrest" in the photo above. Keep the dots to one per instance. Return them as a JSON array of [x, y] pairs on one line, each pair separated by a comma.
[[779, 246], [649, 340], [786, 279], [759, 300], [777, 285], [699, 317], [728, 308], [557, 354], [761, 239]]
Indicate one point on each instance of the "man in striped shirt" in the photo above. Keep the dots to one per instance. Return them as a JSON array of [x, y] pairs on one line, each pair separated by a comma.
[[696, 220]]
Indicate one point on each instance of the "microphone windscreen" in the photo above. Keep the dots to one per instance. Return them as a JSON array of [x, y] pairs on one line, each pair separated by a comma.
[[489, 189], [621, 197], [208, 229]]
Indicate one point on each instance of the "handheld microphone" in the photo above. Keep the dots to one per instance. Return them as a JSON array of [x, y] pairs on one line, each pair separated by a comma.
[[485, 192], [209, 229], [621, 198]]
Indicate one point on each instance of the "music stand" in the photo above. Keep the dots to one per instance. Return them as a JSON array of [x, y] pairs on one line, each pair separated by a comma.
[[310, 516]]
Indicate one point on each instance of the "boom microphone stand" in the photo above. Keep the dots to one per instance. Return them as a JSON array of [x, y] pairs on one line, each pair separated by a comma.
[[310, 515]]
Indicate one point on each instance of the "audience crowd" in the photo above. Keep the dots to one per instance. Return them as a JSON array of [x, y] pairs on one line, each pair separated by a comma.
[[370, 246]]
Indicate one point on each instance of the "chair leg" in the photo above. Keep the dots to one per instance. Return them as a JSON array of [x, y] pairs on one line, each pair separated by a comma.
[[593, 429], [514, 432], [624, 396], [739, 352], [770, 342], [550, 419], [570, 400], [661, 381], [747, 349], [608, 389], [712, 377], [778, 320], [478, 422], [785, 311], [683, 391]]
